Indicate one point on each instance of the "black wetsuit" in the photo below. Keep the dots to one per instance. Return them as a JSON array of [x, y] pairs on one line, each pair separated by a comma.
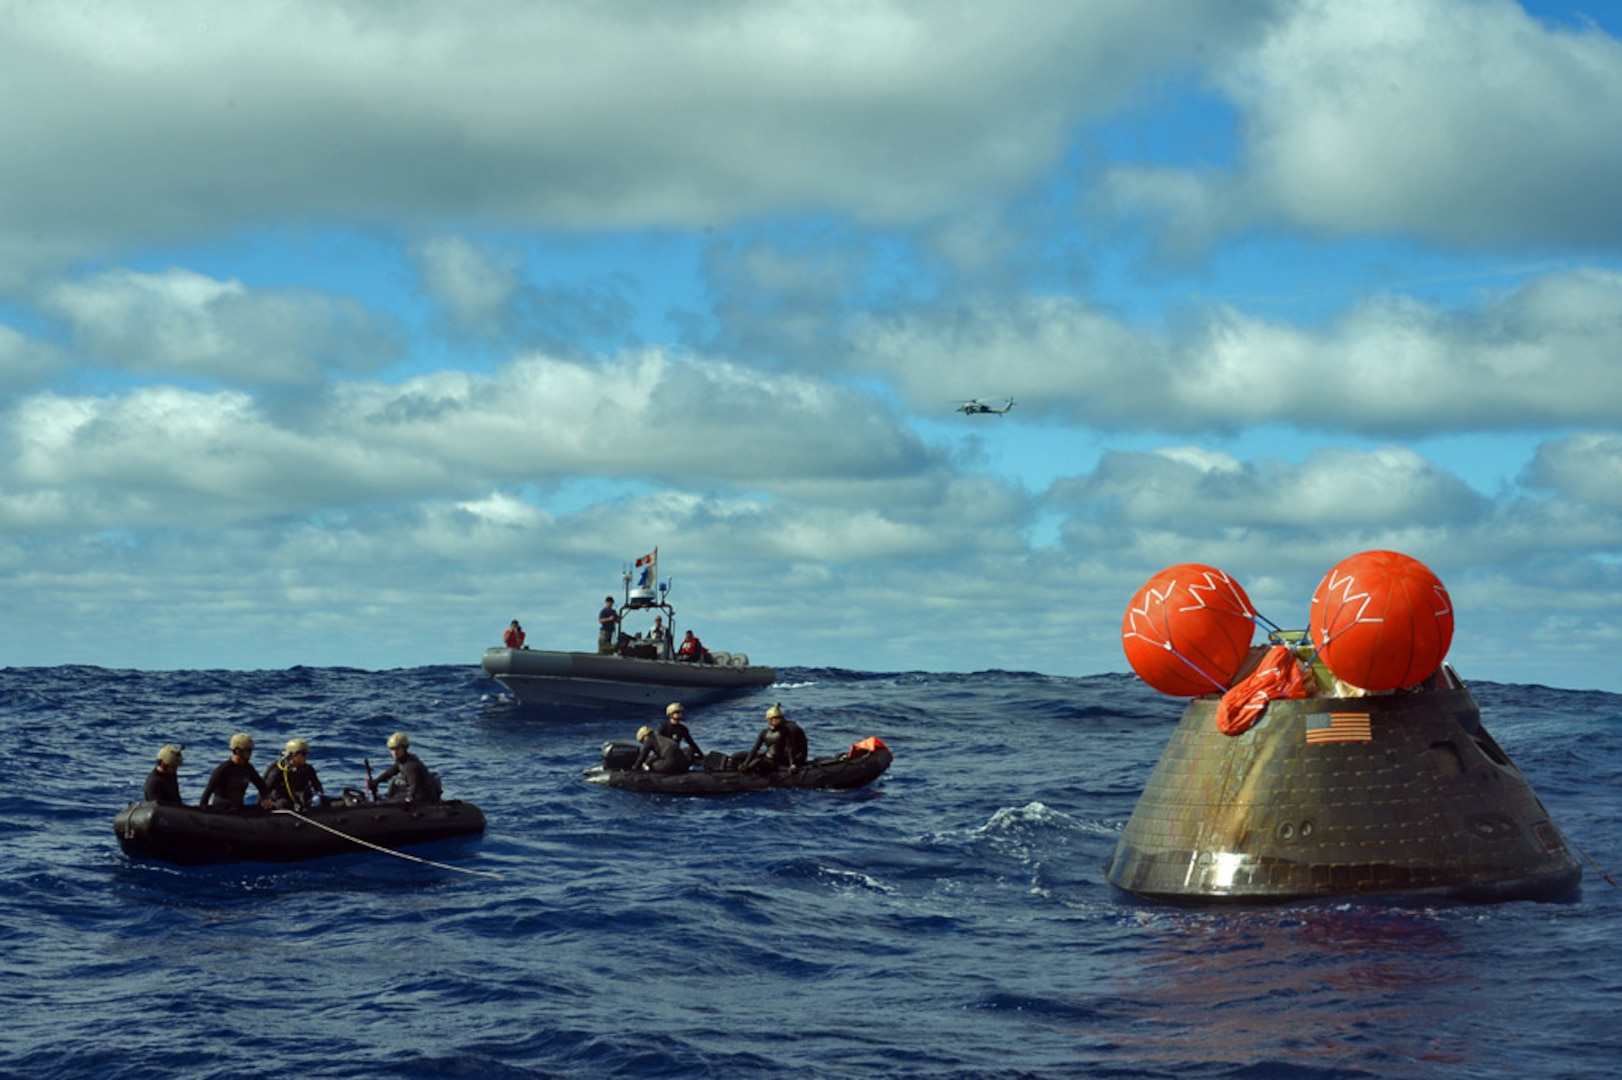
[[162, 787], [662, 754], [782, 747], [229, 784], [675, 729], [301, 780], [798, 750], [415, 783]]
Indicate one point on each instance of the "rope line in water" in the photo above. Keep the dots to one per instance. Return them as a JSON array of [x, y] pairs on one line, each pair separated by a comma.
[[1608, 879], [384, 850]]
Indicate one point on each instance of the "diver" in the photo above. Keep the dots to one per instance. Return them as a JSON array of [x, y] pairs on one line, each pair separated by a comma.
[[780, 745], [673, 728], [163, 782], [291, 782], [660, 753], [227, 786], [412, 780]]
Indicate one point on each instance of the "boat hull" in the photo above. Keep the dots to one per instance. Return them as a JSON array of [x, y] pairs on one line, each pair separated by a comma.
[[191, 836], [1427, 804], [844, 772], [598, 680]]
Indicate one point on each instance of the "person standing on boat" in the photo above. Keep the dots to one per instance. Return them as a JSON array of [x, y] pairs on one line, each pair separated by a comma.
[[415, 784], [673, 728], [227, 787], [291, 782], [659, 752], [514, 637], [780, 745], [608, 621], [163, 782]]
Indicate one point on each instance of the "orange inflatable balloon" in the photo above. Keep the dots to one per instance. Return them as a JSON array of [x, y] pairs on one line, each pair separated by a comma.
[[1187, 630], [1381, 620]]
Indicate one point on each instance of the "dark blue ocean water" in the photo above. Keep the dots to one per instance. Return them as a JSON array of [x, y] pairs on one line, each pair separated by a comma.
[[951, 920]]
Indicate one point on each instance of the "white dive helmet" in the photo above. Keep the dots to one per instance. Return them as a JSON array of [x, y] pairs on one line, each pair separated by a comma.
[[296, 746], [399, 741], [171, 755], [243, 742]]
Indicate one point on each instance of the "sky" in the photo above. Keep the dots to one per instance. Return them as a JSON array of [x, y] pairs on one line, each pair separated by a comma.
[[343, 332]]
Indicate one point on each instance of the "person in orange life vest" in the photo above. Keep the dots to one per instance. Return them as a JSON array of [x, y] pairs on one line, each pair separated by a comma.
[[514, 637], [692, 649]]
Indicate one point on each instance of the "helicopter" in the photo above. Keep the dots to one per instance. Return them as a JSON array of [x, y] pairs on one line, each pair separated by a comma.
[[978, 407]]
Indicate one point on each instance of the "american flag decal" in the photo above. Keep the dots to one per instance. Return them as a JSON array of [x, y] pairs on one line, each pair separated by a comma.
[[1334, 727]]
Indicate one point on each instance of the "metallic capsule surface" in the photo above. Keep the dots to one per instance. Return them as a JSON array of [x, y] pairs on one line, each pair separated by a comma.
[[1401, 793]]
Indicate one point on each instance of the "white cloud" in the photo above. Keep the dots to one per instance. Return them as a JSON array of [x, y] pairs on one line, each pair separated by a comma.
[[1465, 122], [187, 118], [474, 282], [1585, 466], [163, 454], [1199, 493], [186, 324], [24, 362], [1541, 356]]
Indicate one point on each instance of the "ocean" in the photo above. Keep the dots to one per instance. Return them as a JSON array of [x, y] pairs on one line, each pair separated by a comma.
[[950, 920]]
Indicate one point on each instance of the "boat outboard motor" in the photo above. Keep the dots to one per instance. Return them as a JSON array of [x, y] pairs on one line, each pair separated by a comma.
[[620, 756]]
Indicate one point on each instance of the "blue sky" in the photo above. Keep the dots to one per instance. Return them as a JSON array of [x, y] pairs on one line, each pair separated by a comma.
[[343, 333]]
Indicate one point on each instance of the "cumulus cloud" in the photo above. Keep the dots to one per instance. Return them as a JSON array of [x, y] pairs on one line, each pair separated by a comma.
[[554, 113], [1466, 123], [475, 283], [164, 454], [1586, 467], [182, 323], [482, 294], [1542, 355], [1200, 490], [24, 362]]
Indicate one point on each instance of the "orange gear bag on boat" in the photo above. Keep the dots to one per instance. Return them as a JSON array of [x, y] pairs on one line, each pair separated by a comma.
[[867, 746]]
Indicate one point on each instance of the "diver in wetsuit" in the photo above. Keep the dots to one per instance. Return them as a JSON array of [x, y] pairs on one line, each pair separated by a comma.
[[291, 782], [674, 728], [415, 783], [227, 786], [660, 753], [780, 745], [163, 782]]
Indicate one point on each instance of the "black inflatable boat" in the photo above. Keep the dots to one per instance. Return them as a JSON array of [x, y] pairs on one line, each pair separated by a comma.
[[191, 836], [859, 766]]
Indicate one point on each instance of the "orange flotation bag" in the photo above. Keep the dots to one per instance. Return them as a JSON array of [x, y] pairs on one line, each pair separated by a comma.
[[1382, 620], [1187, 631]]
